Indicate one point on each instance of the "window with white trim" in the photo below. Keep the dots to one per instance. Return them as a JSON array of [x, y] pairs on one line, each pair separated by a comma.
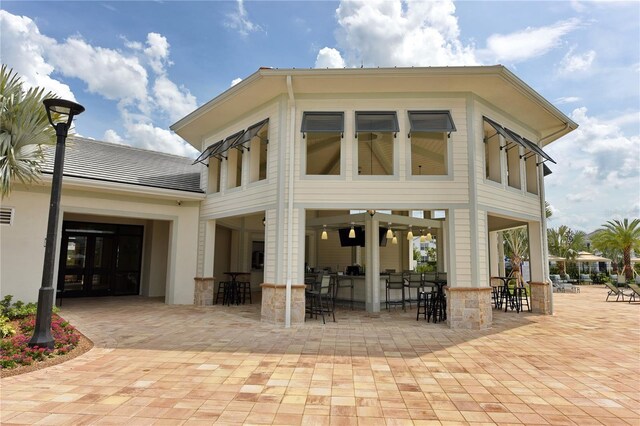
[[376, 132], [323, 132]]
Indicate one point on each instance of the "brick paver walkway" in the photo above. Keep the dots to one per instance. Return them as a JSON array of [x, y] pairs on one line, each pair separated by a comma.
[[158, 364]]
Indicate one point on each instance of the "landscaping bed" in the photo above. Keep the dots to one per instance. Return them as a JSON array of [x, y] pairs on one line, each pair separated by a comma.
[[17, 321]]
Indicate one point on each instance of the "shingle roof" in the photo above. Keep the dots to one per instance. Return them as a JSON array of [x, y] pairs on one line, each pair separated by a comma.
[[91, 159]]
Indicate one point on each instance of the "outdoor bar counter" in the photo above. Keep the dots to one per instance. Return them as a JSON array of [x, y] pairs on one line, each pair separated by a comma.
[[344, 291]]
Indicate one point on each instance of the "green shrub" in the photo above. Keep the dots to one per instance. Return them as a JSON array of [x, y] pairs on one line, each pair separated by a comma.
[[6, 329]]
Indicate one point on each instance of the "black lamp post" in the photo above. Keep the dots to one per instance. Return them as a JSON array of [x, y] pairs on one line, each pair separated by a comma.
[[42, 333]]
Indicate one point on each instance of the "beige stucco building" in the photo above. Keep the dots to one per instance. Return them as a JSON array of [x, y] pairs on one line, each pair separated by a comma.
[[295, 159], [128, 225], [454, 151]]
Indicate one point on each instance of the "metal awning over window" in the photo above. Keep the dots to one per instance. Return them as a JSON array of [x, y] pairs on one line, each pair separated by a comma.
[[514, 139], [376, 122], [322, 122], [209, 152], [431, 121], [230, 142], [249, 134]]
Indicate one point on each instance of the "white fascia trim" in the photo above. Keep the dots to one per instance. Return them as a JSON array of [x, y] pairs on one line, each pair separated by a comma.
[[125, 188]]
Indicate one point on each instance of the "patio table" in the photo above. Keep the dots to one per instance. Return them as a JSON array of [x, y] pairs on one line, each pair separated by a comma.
[[233, 295]]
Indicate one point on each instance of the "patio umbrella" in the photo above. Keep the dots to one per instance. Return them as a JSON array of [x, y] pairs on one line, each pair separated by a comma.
[[586, 257], [553, 258]]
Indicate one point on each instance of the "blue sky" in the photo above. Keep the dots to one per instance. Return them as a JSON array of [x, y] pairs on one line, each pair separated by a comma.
[[139, 66]]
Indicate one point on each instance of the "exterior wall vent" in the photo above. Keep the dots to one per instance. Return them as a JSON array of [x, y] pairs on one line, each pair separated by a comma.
[[6, 215]]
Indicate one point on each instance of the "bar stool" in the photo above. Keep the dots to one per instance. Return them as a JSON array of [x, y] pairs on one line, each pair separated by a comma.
[[425, 303], [344, 281], [395, 282], [220, 294], [244, 290]]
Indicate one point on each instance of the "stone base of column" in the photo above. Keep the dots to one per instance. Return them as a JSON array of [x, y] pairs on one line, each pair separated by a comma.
[[273, 303], [203, 294], [540, 298], [469, 308]]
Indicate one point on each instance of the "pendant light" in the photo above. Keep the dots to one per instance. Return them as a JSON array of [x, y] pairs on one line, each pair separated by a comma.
[[429, 236], [410, 234], [352, 232], [389, 232], [394, 240], [324, 233], [422, 237]]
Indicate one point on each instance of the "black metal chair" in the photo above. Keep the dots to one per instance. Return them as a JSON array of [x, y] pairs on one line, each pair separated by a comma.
[[244, 290], [413, 280], [426, 302], [395, 282], [320, 300], [220, 294]]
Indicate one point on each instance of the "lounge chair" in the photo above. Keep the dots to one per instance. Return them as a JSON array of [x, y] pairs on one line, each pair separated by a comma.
[[615, 291], [585, 279], [635, 292], [555, 283]]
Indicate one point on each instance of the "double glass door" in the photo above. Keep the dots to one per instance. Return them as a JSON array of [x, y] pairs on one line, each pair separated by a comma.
[[100, 259]]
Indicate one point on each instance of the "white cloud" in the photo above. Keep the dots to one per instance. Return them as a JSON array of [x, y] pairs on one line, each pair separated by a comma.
[[235, 81], [23, 49], [175, 101], [113, 137], [117, 75], [528, 43], [147, 136], [576, 63], [106, 72], [397, 33], [329, 58], [567, 100], [240, 21], [598, 168], [157, 51]]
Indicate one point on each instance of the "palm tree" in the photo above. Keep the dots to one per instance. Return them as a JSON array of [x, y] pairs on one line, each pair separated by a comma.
[[24, 127], [621, 235], [516, 243], [565, 242]]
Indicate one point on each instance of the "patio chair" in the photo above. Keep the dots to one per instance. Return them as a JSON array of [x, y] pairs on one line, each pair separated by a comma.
[[635, 292], [395, 282], [320, 299], [615, 291], [412, 281], [585, 279], [555, 283]]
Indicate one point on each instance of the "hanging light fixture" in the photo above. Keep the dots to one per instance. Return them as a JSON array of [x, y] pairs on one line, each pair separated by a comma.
[[429, 236], [394, 240], [352, 232], [422, 237], [389, 232], [324, 233], [410, 234]]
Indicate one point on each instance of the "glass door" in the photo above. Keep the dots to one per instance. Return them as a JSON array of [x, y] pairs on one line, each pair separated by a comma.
[[100, 259]]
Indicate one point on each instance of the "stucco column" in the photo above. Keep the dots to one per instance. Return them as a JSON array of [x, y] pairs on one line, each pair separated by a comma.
[[540, 288], [468, 293], [494, 257], [273, 307], [372, 273]]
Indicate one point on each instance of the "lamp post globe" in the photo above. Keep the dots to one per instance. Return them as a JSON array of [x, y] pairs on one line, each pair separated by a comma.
[[60, 113]]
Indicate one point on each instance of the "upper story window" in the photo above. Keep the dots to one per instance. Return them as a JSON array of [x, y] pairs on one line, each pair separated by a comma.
[[323, 133], [429, 133], [256, 140], [375, 132], [234, 159]]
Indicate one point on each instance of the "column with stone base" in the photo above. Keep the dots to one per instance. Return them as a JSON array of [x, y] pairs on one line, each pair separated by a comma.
[[469, 308], [203, 294], [540, 297], [273, 303]]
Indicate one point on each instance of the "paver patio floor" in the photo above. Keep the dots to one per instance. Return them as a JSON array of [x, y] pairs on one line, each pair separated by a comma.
[[159, 364]]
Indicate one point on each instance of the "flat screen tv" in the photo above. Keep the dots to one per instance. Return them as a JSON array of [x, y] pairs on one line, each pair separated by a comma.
[[345, 241]]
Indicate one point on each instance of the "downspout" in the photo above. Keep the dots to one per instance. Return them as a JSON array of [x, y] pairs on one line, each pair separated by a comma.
[[292, 119]]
